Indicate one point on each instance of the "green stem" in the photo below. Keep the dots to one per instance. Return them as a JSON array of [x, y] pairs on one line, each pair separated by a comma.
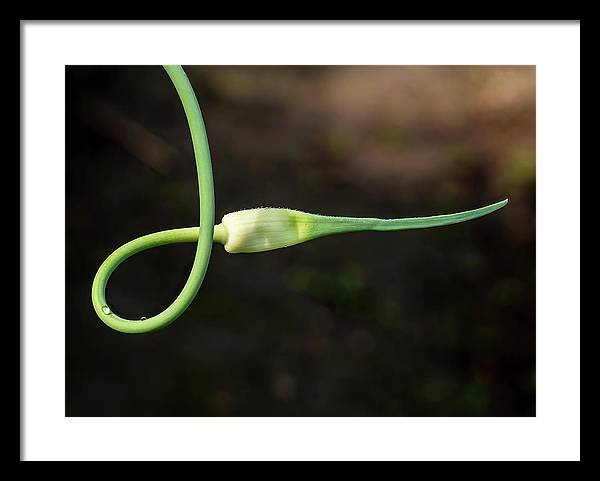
[[203, 235]]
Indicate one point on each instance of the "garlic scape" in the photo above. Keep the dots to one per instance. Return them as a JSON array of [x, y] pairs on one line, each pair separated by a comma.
[[245, 231]]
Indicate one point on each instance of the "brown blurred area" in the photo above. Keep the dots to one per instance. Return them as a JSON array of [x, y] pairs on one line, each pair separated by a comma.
[[434, 322]]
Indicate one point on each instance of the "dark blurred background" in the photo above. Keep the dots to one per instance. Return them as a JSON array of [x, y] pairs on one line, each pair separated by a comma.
[[433, 322]]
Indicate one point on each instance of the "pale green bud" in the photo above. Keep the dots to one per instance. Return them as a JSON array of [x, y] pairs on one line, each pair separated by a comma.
[[264, 229]]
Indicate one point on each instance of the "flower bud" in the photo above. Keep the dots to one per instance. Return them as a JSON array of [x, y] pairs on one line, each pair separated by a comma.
[[264, 229]]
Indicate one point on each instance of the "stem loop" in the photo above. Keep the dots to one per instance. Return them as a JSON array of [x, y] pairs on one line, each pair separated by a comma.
[[203, 234]]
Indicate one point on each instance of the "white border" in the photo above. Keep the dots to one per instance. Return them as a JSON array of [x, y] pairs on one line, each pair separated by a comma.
[[553, 434]]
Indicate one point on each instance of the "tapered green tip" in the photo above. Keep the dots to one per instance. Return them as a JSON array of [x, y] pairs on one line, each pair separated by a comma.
[[499, 205]]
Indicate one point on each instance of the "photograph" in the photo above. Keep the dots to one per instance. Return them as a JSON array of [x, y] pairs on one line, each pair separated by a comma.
[[300, 240]]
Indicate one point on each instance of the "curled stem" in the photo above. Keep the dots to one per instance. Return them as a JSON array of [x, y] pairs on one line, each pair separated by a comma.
[[203, 235]]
